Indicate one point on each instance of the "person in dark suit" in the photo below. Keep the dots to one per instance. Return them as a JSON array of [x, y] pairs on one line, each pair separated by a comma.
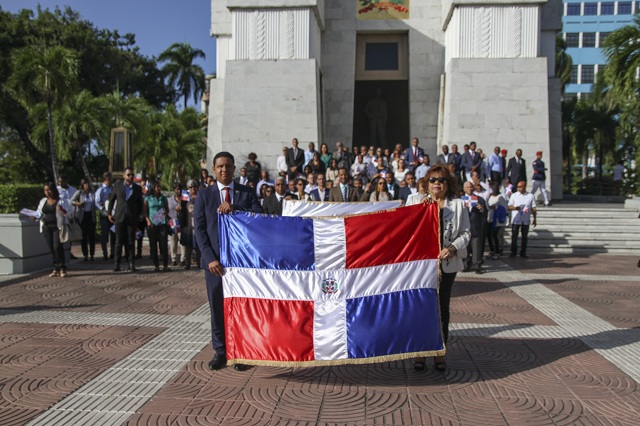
[[409, 188], [470, 159], [321, 193], [392, 187], [273, 203], [343, 192], [295, 159], [125, 211], [446, 157], [516, 169], [223, 197], [414, 154]]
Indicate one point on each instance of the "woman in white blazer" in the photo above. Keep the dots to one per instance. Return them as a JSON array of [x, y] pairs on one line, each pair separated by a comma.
[[454, 239]]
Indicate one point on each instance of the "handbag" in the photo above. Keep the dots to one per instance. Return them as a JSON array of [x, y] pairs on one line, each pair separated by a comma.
[[71, 232]]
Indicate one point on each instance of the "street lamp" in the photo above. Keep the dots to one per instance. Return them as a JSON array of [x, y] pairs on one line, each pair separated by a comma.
[[121, 155]]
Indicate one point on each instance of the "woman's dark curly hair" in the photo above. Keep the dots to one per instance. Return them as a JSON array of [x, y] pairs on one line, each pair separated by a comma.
[[440, 170]]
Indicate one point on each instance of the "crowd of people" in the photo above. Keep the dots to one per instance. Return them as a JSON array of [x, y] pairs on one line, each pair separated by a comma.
[[475, 195], [134, 205], [493, 187], [124, 210]]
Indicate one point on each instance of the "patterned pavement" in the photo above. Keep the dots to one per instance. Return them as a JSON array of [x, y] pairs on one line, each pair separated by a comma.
[[551, 340]]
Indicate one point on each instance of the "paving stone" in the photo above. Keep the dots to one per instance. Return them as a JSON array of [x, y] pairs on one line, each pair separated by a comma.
[[551, 341]]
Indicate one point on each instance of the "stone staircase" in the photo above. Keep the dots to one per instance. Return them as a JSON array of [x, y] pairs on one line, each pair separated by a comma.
[[584, 229]]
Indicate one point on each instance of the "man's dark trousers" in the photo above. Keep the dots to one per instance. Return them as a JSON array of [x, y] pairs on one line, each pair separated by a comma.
[[216, 309], [515, 230]]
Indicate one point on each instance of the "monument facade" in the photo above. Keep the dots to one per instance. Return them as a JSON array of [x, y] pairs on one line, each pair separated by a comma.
[[357, 71]]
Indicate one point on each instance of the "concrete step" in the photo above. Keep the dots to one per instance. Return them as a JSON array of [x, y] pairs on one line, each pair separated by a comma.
[[584, 230]]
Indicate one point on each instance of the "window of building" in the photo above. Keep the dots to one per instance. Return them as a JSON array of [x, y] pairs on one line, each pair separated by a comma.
[[624, 8], [590, 8], [382, 57], [601, 38], [599, 71], [573, 9], [586, 75], [607, 8], [588, 39], [572, 39], [573, 79]]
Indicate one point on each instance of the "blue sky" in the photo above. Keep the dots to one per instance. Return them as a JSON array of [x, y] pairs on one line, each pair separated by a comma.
[[156, 23]]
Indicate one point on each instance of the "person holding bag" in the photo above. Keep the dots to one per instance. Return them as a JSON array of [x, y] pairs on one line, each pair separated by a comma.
[[52, 213], [156, 207], [83, 200]]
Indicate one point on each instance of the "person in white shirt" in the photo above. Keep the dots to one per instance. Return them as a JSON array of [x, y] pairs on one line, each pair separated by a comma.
[[496, 168], [618, 176], [422, 169], [281, 163], [522, 206], [265, 179], [308, 155]]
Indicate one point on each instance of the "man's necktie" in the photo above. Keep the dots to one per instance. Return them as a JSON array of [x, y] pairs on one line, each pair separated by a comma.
[[415, 154], [344, 193], [227, 197]]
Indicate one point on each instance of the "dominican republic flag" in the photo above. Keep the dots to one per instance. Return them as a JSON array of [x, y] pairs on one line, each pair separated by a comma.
[[470, 200], [304, 292], [324, 209]]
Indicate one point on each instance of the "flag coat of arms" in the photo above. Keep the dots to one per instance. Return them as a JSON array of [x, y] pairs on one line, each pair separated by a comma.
[[330, 291]]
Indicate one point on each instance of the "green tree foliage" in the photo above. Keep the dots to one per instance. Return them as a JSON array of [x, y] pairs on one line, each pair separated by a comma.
[[176, 146], [563, 62], [76, 123], [622, 81], [44, 75], [181, 72], [108, 62]]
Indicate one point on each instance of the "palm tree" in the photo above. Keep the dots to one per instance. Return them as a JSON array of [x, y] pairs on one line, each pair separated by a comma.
[[44, 74], [563, 62], [622, 50], [182, 72], [80, 119], [181, 143]]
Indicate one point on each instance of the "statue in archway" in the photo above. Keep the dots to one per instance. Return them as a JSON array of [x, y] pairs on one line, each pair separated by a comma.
[[376, 113]]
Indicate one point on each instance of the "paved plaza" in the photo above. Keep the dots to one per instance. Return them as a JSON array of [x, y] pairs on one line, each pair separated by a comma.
[[543, 341]]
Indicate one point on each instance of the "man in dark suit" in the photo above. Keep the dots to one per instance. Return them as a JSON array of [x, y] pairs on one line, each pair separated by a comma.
[[321, 193], [273, 203], [125, 211], [470, 159], [295, 159], [392, 186], [343, 192], [414, 154], [516, 170], [409, 188], [223, 197], [445, 157]]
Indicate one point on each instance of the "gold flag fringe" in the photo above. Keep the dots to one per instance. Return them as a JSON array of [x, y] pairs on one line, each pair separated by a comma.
[[337, 362]]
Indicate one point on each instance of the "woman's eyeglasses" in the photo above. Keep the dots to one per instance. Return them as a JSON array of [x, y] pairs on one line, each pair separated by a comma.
[[434, 179]]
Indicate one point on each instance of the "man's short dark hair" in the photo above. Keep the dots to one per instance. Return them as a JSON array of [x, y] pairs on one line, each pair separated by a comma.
[[224, 154], [128, 168], [410, 174], [106, 175], [343, 168]]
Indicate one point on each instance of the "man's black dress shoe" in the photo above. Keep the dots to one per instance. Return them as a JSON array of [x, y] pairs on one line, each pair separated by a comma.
[[239, 367], [117, 268], [217, 362], [525, 256]]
